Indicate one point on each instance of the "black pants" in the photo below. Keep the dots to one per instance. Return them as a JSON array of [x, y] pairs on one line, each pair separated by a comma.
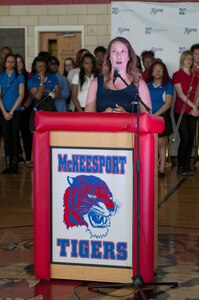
[[10, 130], [187, 130], [26, 133]]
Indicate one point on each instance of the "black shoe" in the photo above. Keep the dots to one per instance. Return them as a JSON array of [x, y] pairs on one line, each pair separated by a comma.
[[14, 169], [8, 167], [21, 161], [161, 174], [6, 171], [180, 170]]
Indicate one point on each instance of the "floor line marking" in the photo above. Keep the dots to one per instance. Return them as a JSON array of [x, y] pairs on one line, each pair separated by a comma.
[[174, 189]]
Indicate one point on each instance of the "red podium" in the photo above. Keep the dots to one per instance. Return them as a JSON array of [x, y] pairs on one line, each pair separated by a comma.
[[85, 183]]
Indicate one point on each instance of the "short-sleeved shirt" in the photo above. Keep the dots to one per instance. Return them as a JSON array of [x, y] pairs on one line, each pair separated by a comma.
[[10, 89], [50, 82], [64, 88], [83, 91], [158, 93], [188, 83]]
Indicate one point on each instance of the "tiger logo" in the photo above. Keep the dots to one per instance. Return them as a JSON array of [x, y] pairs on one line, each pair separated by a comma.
[[89, 202]]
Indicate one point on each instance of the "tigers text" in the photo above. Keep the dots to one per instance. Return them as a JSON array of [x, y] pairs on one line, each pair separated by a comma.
[[92, 249]]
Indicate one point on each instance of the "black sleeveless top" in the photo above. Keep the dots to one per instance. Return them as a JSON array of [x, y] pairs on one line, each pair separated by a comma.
[[109, 98]]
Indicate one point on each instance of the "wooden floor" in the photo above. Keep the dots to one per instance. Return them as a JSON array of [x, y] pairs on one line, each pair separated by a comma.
[[178, 246]]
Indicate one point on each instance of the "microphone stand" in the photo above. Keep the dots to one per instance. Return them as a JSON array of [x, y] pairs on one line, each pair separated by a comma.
[[137, 100], [137, 280], [51, 95], [175, 133]]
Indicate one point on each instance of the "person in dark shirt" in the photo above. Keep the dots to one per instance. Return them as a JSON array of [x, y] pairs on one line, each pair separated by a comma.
[[109, 94]]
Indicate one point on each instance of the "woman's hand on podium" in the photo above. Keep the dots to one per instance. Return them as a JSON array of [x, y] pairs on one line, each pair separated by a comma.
[[116, 109]]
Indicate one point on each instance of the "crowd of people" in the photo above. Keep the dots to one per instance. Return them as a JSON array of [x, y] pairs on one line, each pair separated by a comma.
[[89, 83]]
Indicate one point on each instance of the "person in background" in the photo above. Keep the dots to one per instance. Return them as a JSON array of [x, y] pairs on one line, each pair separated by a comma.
[[44, 54], [3, 53], [69, 64], [161, 91], [195, 68], [138, 64], [26, 134], [64, 88], [72, 72], [185, 84], [42, 83], [82, 80], [78, 58], [108, 95], [12, 87], [99, 53], [147, 60], [195, 50]]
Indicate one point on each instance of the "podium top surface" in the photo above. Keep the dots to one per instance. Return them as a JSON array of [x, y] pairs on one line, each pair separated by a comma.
[[98, 122]]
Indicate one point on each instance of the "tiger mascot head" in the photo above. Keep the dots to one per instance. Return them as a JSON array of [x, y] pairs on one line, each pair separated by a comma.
[[89, 202]]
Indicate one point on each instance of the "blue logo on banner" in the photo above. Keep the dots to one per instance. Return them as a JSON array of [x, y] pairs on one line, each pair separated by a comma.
[[150, 30], [182, 11], [121, 30], [154, 11], [89, 202], [189, 30], [155, 49], [115, 10]]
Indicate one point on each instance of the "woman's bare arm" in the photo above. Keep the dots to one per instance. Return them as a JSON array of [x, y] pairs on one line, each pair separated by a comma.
[[91, 97]]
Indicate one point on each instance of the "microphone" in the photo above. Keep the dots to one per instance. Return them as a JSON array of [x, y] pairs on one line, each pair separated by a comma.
[[116, 72], [51, 95], [137, 98]]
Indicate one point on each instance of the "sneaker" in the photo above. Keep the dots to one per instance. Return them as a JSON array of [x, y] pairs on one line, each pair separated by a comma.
[[21, 161]]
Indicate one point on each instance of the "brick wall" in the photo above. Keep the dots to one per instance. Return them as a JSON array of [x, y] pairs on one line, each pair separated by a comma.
[[96, 20]]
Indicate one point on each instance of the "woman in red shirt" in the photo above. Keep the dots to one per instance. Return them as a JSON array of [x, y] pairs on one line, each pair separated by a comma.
[[185, 83]]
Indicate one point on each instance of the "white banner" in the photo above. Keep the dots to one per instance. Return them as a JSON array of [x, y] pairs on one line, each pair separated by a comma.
[[92, 206], [166, 28]]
